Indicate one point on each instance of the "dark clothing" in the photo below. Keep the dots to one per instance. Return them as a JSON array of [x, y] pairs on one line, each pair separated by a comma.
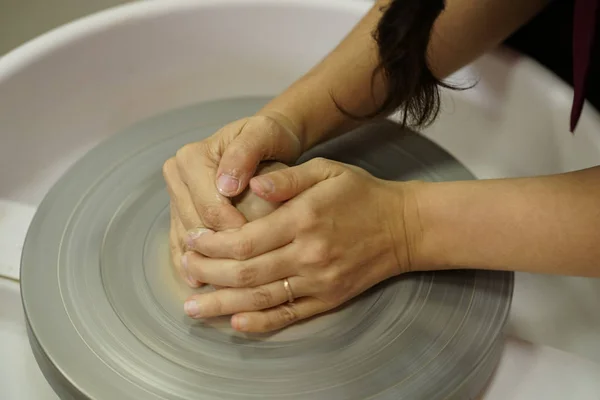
[[564, 38], [584, 26]]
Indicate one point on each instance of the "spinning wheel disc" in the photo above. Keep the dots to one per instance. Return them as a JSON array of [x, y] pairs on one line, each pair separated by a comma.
[[105, 309]]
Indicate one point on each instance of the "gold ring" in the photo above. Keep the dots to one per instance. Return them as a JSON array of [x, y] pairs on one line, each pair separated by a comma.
[[288, 290]]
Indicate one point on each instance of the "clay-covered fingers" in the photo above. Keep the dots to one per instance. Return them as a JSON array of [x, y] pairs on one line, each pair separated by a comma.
[[232, 301], [177, 237], [205, 175], [254, 139], [282, 185], [180, 196], [197, 165], [279, 317], [175, 245], [237, 274], [255, 238], [199, 204]]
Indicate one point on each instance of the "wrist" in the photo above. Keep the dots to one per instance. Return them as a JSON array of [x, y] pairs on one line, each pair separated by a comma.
[[405, 226], [469, 224], [288, 126], [424, 217], [309, 108]]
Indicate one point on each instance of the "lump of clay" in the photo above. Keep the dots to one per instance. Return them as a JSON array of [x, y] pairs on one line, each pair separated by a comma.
[[249, 204]]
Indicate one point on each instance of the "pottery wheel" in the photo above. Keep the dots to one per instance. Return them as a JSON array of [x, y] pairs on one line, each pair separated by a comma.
[[105, 310]]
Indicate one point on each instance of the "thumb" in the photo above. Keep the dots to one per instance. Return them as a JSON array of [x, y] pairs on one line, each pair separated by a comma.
[[287, 183], [259, 138]]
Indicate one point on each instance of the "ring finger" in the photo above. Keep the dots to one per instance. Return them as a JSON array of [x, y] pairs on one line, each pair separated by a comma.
[[254, 272], [234, 300]]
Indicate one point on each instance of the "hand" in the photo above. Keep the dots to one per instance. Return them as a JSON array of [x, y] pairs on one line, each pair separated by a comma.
[[203, 176], [339, 232]]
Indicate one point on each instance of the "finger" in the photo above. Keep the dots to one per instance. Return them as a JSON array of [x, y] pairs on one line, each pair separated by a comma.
[[175, 244], [196, 167], [287, 183], [178, 247], [244, 153], [251, 240], [237, 274], [278, 317], [182, 234], [180, 196], [231, 301]]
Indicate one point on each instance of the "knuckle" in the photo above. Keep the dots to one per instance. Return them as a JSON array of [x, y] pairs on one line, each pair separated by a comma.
[[321, 252], [262, 298], [245, 277], [285, 315], [243, 249], [186, 152], [204, 150], [292, 181], [192, 265], [184, 246], [328, 167], [321, 163], [334, 283], [308, 217], [175, 247], [211, 215], [241, 146], [168, 168], [263, 124], [281, 133], [318, 253], [214, 305]]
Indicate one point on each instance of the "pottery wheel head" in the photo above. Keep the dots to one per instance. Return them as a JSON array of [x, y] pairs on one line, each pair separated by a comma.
[[105, 308]]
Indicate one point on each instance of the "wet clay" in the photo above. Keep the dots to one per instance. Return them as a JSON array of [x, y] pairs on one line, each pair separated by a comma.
[[252, 206]]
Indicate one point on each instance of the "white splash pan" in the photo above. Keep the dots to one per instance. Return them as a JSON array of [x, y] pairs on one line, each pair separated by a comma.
[[65, 91]]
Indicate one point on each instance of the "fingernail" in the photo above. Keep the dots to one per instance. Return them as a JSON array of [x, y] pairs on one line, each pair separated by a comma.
[[240, 322], [227, 184], [192, 308], [195, 234], [265, 185], [184, 264]]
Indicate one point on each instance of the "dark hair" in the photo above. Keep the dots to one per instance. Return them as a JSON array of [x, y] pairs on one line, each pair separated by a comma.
[[402, 38]]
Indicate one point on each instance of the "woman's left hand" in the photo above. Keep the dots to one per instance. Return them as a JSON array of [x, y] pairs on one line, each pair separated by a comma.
[[339, 232]]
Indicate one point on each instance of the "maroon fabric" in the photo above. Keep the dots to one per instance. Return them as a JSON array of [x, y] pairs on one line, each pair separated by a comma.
[[584, 26]]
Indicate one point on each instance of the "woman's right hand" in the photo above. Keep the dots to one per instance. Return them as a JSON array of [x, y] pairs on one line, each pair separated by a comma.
[[203, 176]]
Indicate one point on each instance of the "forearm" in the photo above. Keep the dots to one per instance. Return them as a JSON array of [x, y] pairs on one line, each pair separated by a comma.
[[548, 224], [346, 73], [466, 29]]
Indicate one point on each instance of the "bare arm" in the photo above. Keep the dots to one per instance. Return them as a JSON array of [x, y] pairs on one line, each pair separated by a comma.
[[465, 30], [548, 224], [346, 71]]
